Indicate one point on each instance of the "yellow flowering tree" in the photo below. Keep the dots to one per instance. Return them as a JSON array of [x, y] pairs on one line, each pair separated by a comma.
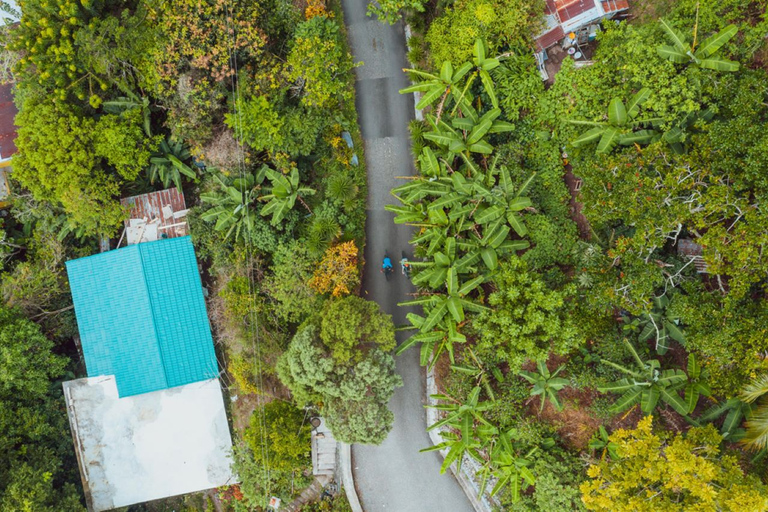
[[656, 474], [337, 272]]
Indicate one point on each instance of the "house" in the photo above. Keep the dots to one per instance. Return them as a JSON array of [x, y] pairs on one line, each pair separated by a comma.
[[8, 113], [571, 23], [149, 420]]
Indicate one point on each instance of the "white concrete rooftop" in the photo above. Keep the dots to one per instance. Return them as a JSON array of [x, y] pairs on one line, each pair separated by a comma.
[[148, 446]]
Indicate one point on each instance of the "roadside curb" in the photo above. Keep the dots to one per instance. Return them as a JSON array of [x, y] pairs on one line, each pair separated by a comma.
[[416, 95], [347, 480], [467, 483]]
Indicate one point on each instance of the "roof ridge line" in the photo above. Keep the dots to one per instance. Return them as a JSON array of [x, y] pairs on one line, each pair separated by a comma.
[[152, 314]]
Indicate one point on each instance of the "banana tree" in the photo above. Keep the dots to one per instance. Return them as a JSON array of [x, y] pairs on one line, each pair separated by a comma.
[[283, 194], [466, 135], [600, 441], [735, 412], [445, 267], [232, 206], [458, 446], [449, 81], [508, 466], [621, 127], [683, 51], [129, 102], [646, 385], [504, 202], [659, 324], [453, 304], [429, 165], [437, 86], [676, 136], [490, 246], [461, 415], [442, 338], [697, 384], [546, 384], [167, 163], [479, 372]]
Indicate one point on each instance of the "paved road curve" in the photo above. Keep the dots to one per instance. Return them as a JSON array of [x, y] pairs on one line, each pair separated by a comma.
[[393, 476]]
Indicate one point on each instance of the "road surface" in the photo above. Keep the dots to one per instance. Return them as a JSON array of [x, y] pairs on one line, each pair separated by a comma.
[[393, 476]]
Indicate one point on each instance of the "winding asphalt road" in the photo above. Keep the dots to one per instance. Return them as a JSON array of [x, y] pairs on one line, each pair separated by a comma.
[[393, 476]]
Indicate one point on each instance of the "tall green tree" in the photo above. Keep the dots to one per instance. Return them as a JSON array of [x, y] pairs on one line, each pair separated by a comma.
[[352, 326], [38, 470]]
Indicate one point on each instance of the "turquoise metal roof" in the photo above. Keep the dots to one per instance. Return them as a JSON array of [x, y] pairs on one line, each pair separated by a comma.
[[142, 317]]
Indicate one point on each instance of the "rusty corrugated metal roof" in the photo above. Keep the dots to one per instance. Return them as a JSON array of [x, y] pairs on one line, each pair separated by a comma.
[[548, 39], [567, 9], [150, 207], [611, 6]]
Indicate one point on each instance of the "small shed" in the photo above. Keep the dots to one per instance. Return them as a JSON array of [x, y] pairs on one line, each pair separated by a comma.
[[693, 251], [564, 16], [155, 215]]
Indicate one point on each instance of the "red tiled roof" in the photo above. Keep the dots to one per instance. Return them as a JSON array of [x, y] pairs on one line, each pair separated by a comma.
[[548, 39], [567, 9], [7, 128]]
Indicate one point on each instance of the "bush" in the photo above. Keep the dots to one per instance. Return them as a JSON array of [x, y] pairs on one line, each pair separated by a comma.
[[280, 431], [527, 321], [499, 22], [288, 284]]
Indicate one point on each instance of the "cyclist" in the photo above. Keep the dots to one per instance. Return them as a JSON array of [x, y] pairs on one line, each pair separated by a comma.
[[386, 265], [405, 266]]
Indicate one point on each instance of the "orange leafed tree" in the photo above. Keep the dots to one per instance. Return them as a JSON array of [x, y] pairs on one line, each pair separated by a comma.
[[316, 8], [337, 271]]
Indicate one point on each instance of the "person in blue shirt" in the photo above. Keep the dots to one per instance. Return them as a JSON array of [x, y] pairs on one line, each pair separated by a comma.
[[386, 265]]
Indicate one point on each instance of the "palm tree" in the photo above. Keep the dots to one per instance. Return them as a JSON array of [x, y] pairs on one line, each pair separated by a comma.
[[233, 206], [546, 384], [620, 127], [646, 386], [756, 435], [702, 56], [283, 194]]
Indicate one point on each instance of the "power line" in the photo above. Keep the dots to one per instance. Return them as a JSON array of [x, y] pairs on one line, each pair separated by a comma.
[[253, 325]]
